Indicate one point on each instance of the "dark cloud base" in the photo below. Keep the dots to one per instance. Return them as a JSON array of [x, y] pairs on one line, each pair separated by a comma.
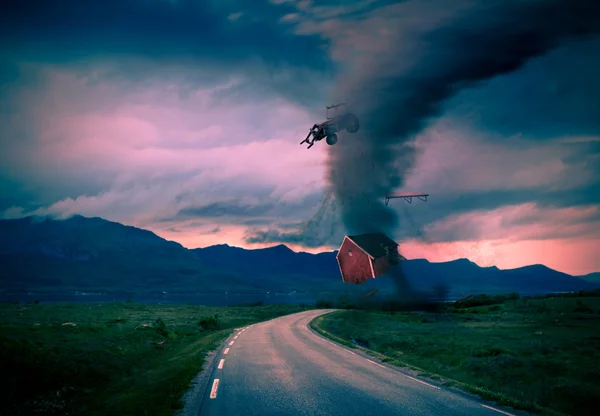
[[161, 30], [222, 209]]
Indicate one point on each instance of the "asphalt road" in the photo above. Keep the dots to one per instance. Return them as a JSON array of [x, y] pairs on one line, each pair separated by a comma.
[[281, 367]]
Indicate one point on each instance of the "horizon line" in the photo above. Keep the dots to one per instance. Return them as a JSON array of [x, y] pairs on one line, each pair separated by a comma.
[[59, 217]]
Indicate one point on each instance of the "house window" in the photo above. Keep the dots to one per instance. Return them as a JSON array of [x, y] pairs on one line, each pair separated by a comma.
[[350, 253]]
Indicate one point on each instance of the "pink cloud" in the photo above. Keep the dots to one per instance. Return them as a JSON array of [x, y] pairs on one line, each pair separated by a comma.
[[519, 222], [144, 137], [573, 256], [454, 158], [143, 189], [565, 239]]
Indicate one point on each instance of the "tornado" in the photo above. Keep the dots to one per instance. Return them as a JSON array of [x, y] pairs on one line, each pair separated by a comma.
[[398, 91]]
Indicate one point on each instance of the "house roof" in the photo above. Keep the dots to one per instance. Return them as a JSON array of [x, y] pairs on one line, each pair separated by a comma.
[[373, 243]]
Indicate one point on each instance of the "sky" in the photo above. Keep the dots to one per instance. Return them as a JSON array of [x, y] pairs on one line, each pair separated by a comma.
[[186, 117]]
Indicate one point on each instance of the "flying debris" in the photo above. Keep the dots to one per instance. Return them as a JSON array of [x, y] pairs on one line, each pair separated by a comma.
[[407, 196], [337, 120], [368, 295], [366, 256], [463, 299]]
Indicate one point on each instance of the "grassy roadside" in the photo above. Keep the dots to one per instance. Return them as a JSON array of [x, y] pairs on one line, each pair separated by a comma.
[[540, 355], [110, 358]]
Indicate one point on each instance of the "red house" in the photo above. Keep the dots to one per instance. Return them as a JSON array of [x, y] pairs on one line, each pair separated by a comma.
[[366, 256]]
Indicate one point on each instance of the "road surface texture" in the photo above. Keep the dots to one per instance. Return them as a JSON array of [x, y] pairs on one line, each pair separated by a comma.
[[281, 367]]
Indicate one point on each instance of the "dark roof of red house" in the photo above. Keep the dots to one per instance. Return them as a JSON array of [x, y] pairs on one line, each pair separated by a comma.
[[373, 243]]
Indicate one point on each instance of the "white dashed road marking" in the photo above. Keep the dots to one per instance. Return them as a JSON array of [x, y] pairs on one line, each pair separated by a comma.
[[231, 343], [215, 387], [226, 351], [496, 410], [221, 363], [236, 337]]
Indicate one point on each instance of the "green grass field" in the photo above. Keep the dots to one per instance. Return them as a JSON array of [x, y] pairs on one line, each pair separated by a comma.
[[536, 354], [109, 358]]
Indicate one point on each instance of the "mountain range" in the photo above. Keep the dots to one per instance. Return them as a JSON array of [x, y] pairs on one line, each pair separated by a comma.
[[591, 277], [92, 254]]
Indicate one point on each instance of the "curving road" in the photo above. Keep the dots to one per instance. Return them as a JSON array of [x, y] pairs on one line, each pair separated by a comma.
[[281, 367]]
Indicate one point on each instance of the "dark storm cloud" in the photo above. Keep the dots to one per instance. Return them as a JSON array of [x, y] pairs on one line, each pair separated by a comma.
[[557, 94], [473, 56], [222, 209], [189, 42], [490, 39], [156, 29], [257, 208], [272, 236], [324, 228], [255, 222]]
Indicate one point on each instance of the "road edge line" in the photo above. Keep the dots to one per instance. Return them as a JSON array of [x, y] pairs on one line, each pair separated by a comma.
[[458, 386], [207, 371], [497, 410]]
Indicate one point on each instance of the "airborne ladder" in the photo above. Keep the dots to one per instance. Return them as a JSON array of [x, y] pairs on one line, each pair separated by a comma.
[[407, 196]]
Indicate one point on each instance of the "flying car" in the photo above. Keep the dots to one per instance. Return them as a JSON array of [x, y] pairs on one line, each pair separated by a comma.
[[338, 119]]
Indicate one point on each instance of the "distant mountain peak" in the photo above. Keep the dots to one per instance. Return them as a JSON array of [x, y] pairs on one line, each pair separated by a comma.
[[281, 247], [461, 261], [591, 277], [37, 219], [532, 267], [420, 260]]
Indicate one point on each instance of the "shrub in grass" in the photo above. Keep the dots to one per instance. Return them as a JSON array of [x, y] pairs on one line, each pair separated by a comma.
[[582, 308], [161, 328], [489, 352], [210, 323], [324, 304]]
